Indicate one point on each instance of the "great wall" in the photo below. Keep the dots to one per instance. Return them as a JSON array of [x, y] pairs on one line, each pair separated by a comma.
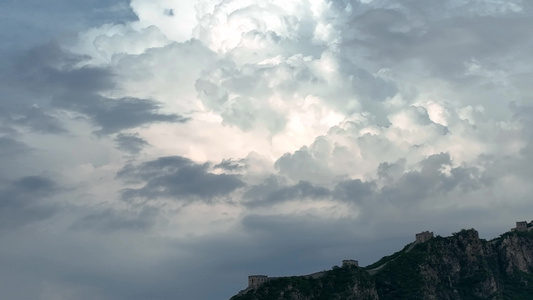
[[255, 281]]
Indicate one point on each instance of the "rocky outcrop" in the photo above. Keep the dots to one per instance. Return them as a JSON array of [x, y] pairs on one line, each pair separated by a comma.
[[516, 253]]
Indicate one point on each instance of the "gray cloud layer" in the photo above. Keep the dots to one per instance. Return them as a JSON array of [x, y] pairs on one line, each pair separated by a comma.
[[130, 143], [77, 90], [22, 201], [177, 178]]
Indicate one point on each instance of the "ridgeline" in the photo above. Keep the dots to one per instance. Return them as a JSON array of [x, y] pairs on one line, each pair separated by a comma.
[[461, 266]]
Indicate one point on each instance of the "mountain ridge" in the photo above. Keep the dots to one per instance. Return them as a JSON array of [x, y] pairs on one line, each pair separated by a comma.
[[461, 266]]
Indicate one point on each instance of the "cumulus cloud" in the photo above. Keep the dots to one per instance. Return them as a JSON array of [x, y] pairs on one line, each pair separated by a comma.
[[436, 176], [395, 185], [263, 129]]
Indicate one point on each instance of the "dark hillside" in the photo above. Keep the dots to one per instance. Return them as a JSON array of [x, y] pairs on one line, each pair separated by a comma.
[[461, 266]]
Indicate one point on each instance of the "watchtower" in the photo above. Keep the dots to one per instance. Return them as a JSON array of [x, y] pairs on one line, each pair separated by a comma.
[[521, 226], [424, 236], [256, 280], [350, 263]]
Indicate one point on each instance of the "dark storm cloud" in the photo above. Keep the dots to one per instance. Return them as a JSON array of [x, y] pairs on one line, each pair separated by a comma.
[[354, 190], [114, 115], [395, 185], [31, 117], [387, 172], [48, 70], [22, 201], [274, 191], [130, 143], [50, 73], [19, 107], [178, 178]]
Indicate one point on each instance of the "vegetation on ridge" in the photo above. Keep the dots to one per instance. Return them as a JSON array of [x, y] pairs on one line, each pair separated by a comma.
[[334, 284], [461, 266]]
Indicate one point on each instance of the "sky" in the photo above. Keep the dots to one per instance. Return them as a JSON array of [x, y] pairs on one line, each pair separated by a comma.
[[167, 149]]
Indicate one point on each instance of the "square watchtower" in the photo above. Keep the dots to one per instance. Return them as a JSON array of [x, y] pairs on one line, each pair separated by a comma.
[[350, 263], [424, 236], [256, 280], [521, 226]]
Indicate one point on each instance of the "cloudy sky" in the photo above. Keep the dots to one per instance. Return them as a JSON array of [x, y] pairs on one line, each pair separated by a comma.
[[166, 149]]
